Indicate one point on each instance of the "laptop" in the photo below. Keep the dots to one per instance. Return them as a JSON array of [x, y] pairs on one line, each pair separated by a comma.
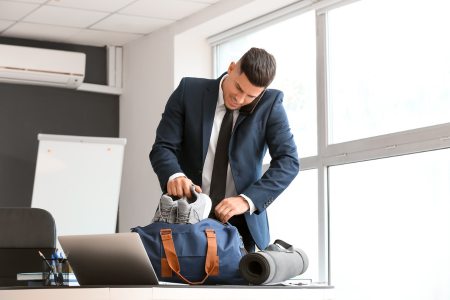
[[109, 259]]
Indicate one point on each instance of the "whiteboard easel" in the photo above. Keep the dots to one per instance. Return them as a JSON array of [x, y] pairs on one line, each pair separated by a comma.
[[77, 180]]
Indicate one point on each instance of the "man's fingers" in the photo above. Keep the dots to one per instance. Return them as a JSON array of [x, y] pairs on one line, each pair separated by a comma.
[[229, 207], [224, 210], [179, 190], [171, 188], [227, 215], [198, 189], [180, 187], [187, 190]]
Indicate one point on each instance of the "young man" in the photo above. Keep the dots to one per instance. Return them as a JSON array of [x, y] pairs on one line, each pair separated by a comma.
[[188, 149]]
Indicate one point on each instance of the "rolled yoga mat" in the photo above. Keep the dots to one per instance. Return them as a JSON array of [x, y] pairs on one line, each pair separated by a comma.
[[280, 261]]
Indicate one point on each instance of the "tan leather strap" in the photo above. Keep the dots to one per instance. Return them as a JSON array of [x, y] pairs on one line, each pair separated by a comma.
[[211, 261]]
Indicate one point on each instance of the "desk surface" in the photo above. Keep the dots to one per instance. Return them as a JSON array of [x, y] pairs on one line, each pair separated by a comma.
[[167, 292]]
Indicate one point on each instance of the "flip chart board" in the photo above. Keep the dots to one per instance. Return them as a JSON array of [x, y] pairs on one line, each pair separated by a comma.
[[78, 180]]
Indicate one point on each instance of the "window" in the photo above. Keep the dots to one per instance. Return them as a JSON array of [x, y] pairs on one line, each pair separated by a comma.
[[390, 227], [296, 77], [293, 219], [296, 72], [368, 98], [389, 67]]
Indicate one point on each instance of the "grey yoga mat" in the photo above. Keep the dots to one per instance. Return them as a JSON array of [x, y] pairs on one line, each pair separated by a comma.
[[280, 261]]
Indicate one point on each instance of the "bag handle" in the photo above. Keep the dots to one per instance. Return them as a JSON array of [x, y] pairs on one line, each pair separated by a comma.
[[284, 245], [211, 261]]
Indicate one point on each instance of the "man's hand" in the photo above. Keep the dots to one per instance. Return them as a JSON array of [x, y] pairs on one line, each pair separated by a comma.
[[181, 187], [230, 207]]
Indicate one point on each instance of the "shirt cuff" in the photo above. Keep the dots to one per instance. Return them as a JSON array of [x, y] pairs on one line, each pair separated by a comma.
[[250, 203], [176, 175]]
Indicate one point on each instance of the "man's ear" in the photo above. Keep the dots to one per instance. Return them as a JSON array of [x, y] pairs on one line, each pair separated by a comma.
[[231, 67]]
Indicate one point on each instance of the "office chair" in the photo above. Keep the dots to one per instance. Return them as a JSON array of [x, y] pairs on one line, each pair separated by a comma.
[[23, 232]]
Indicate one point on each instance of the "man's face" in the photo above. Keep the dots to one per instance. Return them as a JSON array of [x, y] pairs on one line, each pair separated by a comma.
[[237, 89]]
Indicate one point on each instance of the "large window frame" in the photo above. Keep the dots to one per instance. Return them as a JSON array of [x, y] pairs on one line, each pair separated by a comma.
[[388, 145]]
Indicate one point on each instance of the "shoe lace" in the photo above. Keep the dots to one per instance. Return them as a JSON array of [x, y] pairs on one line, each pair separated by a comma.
[[183, 218], [165, 213]]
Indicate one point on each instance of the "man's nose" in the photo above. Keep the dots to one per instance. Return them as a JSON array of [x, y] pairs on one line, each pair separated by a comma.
[[239, 98]]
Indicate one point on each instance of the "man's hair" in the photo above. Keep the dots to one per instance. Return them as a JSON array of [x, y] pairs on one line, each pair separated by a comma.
[[259, 66]]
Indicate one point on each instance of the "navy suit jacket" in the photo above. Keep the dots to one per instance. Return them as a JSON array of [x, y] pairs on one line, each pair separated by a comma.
[[183, 135]]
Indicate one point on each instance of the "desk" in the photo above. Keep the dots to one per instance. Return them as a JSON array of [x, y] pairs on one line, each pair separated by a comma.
[[168, 292]]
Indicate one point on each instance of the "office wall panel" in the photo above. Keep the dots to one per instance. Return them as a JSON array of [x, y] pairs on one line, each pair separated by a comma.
[[27, 110]]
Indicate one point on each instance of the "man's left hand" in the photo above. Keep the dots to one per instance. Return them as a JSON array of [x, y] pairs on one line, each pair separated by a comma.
[[230, 207]]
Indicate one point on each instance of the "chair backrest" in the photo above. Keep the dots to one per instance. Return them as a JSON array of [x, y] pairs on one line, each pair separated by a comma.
[[23, 232]]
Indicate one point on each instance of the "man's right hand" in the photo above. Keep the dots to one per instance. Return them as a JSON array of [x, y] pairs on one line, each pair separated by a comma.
[[181, 187]]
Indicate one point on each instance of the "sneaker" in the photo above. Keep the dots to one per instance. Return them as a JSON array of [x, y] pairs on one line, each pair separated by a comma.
[[201, 205], [183, 211], [166, 211], [191, 213]]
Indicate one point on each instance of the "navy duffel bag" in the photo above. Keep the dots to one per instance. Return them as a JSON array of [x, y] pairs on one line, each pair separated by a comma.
[[207, 252]]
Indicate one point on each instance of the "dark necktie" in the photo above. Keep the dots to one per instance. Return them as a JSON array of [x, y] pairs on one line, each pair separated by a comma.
[[219, 173]]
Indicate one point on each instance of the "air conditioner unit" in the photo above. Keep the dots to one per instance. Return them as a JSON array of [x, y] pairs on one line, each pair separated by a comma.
[[27, 65]]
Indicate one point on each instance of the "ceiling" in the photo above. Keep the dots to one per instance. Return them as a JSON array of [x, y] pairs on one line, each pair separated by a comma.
[[92, 22]]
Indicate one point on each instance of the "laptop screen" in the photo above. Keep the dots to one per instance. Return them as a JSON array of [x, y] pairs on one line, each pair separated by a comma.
[[109, 259]]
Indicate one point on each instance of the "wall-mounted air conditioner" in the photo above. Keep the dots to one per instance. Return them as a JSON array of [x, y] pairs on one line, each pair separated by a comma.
[[27, 65]]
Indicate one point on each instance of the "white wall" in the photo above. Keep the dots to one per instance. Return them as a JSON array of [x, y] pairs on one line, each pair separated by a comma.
[[193, 56], [153, 66], [148, 79]]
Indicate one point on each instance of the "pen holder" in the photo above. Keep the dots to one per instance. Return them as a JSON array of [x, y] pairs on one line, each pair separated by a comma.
[[55, 272]]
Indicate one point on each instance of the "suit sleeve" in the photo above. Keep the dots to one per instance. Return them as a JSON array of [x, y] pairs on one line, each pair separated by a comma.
[[165, 152], [284, 165]]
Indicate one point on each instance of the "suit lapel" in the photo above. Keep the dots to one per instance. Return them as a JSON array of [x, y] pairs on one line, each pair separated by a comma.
[[240, 119]]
